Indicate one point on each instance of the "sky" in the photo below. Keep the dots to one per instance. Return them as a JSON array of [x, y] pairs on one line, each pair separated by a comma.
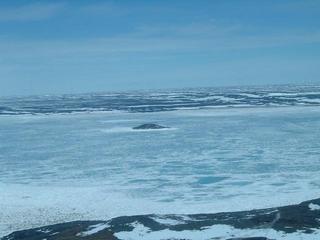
[[52, 47]]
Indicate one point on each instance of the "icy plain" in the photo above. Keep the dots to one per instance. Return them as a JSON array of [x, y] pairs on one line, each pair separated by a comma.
[[57, 168]]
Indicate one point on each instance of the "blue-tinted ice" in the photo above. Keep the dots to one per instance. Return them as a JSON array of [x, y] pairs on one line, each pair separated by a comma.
[[94, 166]]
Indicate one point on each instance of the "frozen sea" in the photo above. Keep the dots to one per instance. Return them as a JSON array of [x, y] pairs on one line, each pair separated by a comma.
[[73, 157]]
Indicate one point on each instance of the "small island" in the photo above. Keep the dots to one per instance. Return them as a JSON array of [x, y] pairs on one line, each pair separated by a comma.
[[149, 126]]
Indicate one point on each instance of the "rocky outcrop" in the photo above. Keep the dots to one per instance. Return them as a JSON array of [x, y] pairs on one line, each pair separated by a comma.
[[301, 219], [149, 126]]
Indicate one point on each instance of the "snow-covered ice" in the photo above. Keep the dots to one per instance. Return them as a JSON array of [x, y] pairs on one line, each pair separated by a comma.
[[68, 167]]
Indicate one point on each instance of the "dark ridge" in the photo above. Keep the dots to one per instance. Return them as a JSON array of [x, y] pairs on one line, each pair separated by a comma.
[[149, 126], [288, 219]]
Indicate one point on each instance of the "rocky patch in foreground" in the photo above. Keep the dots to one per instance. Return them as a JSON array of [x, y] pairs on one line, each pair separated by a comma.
[[300, 221]]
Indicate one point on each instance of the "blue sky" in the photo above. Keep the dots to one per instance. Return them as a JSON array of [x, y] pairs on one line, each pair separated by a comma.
[[84, 46]]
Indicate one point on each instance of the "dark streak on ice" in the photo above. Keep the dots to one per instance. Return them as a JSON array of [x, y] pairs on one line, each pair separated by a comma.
[[170, 100]]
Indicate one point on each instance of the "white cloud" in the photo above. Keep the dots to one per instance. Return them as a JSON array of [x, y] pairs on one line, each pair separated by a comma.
[[31, 12], [148, 44], [103, 8]]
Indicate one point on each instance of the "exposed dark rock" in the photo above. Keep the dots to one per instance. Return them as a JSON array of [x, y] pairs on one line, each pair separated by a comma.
[[250, 238], [149, 126], [302, 218]]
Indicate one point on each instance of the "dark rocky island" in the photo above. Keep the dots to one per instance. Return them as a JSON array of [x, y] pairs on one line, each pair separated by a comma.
[[148, 126], [302, 221]]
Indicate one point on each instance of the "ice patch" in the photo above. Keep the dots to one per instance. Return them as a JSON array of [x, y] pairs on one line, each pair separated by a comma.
[[219, 231], [120, 120], [250, 95], [93, 229], [314, 207], [117, 130], [308, 100], [168, 220], [218, 98], [44, 230]]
